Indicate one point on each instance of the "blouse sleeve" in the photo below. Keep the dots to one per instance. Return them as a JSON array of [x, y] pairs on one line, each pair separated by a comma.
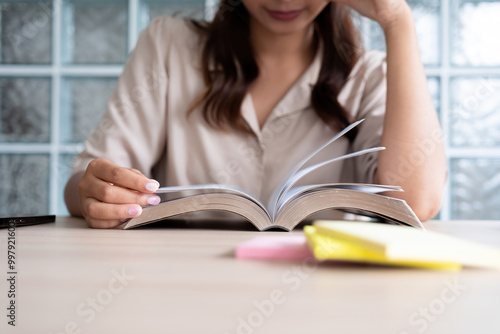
[[132, 132], [372, 109]]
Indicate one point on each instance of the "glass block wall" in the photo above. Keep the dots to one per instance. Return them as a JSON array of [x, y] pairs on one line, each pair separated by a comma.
[[60, 59], [59, 62]]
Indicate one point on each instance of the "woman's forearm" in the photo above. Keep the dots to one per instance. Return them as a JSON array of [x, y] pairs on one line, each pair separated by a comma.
[[414, 158]]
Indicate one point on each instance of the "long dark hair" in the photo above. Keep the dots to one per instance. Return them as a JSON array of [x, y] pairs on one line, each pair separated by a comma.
[[229, 66]]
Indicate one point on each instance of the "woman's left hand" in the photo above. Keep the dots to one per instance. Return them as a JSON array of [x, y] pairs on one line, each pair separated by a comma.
[[385, 12]]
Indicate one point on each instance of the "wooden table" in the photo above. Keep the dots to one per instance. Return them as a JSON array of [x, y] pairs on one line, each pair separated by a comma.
[[72, 279]]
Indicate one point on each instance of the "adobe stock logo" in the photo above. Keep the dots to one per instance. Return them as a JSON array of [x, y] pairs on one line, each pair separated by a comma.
[[262, 310], [32, 23], [422, 318], [87, 310], [485, 89]]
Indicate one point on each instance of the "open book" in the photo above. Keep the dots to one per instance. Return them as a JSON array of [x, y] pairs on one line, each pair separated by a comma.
[[289, 205]]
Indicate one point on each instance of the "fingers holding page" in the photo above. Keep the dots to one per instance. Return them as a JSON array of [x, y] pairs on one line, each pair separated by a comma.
[[123, 177], [104, 211], [110, 193], [114, 194], [99, 214]]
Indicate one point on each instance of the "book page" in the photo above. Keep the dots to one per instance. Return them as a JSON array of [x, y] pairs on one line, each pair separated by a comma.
[[363, 187], [296, 177], [273, 201], [209, 189]]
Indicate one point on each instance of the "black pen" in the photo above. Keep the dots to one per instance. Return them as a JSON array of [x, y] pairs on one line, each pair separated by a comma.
[[25, 221]]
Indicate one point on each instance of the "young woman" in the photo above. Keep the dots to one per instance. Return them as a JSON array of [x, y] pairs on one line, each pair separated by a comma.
[[242, 99]]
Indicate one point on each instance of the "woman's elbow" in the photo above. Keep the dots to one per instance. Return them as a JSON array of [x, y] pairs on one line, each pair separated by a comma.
[[426, 205]]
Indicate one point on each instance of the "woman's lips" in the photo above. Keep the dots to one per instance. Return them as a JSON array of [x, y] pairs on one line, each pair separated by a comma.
[[284, 16]]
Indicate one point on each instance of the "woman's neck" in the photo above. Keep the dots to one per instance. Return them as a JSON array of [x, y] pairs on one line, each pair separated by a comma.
[[269, 47]]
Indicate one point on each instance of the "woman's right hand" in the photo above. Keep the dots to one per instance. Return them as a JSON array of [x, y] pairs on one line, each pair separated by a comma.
[[110, 194]]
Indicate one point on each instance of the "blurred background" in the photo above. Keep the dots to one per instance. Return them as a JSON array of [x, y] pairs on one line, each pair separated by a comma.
[[60, 60]]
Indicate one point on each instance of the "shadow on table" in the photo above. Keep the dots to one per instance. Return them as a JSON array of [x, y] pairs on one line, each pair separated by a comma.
[[211, 224]]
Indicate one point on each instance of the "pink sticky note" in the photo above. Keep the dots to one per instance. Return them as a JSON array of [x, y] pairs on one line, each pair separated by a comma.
[[291, 247]]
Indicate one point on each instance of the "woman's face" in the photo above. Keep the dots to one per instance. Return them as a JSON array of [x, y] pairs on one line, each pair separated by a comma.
[[284, 16]]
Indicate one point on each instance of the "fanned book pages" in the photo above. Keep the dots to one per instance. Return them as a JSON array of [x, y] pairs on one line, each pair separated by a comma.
[[289, 205]]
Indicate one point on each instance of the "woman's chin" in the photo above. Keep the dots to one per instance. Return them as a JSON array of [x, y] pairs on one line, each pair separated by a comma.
[[286, 27]]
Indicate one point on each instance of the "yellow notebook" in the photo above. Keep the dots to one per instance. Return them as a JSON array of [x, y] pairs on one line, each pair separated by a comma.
[[409, 244], [327, 247]]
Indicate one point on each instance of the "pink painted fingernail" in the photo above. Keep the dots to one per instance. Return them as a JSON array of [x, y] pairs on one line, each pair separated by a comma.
[[154, 200], [134, 211], [152, 186]]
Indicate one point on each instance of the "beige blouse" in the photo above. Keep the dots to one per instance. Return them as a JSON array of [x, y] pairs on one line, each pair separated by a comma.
[[146, 124]]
